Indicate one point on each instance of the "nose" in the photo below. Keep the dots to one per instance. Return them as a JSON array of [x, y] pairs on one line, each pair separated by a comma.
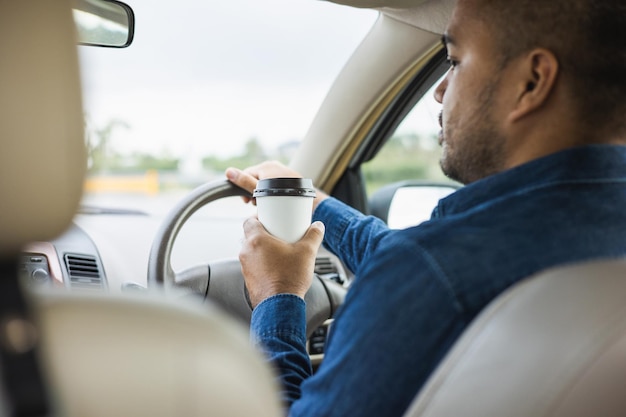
[[441, 89]]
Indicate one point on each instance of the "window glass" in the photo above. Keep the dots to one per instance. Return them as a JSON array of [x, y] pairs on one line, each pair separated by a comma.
[[412, 152], [205, 85]]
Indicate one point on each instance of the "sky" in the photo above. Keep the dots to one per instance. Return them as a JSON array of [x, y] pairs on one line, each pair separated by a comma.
[[203, 77]]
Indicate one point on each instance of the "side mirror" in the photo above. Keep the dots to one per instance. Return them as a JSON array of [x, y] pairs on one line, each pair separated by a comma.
[[408, 203], [109, 23]]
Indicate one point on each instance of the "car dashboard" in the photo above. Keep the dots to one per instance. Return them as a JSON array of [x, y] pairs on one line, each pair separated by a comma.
[[111, 254], [71, 261]]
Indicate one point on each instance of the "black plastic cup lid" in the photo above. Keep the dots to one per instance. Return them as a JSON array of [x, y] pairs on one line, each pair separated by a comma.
[[301, 187]]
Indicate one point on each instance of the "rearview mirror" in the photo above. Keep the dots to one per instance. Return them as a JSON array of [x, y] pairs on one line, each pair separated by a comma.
[[408, 203], [109, 23]]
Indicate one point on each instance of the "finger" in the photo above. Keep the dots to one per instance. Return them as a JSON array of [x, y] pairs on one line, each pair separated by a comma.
[[243, 180], [271, 169]]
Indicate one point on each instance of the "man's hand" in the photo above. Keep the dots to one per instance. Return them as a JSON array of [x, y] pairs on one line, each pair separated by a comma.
[[248, 178], [271, 266]]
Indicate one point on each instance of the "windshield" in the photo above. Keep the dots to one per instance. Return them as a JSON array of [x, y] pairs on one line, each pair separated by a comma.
[[206, 85]]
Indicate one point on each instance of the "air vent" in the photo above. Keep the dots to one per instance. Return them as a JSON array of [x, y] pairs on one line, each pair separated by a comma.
[[325, 268], [84, 272]]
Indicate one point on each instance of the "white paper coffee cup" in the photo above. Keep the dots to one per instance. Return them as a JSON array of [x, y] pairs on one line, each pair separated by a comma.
[[285, 206]]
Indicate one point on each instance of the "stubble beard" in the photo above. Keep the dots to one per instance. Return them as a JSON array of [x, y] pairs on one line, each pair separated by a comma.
[[474, 151]]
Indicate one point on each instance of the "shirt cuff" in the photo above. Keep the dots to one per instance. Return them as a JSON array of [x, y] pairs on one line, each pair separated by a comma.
[[280, 315]]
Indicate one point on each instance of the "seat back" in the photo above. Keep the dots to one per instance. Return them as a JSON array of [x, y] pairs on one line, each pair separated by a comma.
[[554, 345], [137, 354], [42, 160], [101, 354]]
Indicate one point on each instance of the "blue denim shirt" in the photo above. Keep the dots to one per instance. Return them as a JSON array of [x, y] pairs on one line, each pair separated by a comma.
[[416, 290]]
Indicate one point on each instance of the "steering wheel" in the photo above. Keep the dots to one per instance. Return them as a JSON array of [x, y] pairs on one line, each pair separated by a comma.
[[222, 282]]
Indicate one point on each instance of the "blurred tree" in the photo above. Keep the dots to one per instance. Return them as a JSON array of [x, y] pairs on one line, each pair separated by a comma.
[[102, 157], [408, 156], [253, 153], [254, 150], [145, 162], [100, 154]]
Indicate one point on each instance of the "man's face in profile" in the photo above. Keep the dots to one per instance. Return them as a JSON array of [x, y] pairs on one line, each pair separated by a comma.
[[472, 141]]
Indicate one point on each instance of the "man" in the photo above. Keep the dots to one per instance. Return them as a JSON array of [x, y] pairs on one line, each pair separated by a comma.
[[533, 122]]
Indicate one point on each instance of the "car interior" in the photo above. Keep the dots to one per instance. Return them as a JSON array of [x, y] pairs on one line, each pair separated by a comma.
[[98, 322], [130, 354]]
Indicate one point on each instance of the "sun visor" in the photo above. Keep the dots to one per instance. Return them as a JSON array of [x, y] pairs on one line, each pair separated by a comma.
[[430, 15], [375, 4]]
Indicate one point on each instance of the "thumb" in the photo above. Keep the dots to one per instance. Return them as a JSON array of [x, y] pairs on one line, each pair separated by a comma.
[[315, 234], [252, 226]]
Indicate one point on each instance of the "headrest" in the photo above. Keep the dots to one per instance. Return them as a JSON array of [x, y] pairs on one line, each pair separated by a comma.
[[42, 157]]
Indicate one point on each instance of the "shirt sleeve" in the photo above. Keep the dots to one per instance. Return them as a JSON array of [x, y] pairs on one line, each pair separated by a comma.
[[350, 234], [278, 328]]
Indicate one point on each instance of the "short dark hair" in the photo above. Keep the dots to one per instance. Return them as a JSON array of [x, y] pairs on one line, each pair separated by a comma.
[[588, 37]]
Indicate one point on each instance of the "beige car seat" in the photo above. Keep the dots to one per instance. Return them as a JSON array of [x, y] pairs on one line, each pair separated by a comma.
[[99, 354], [552, 346]]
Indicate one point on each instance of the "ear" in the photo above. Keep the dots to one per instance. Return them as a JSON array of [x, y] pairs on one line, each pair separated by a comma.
[[536, 79]]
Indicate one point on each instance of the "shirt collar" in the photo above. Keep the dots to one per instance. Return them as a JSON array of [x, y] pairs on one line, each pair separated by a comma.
[[591, 163]]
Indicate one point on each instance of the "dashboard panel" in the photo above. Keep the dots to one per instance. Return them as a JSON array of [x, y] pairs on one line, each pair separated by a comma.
[[75, 262], [71, 261]]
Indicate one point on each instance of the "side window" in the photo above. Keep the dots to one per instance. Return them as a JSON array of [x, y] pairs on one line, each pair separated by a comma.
[[412, 152], [404, 180]]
